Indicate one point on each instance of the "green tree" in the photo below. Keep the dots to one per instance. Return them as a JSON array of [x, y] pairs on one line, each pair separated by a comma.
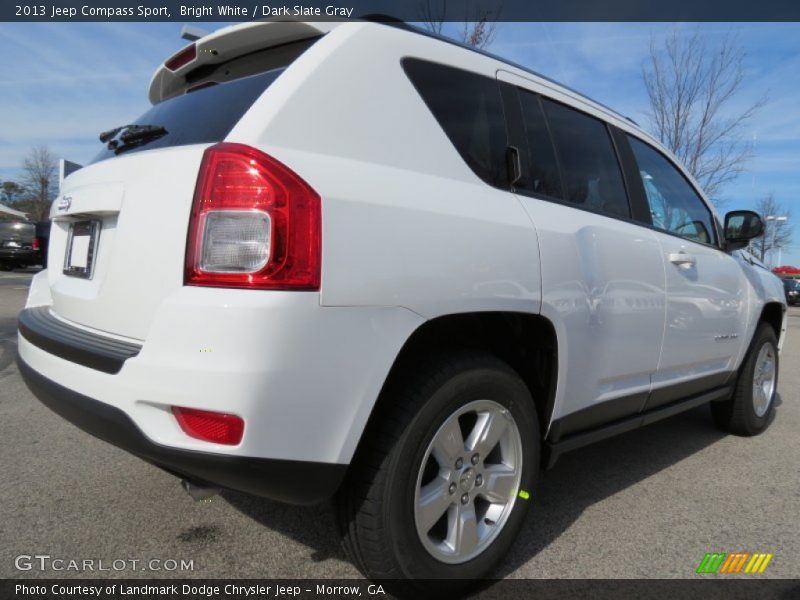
[[11, 192]]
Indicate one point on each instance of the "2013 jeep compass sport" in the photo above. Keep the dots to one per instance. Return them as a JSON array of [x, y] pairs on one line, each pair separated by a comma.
[[361, 262]]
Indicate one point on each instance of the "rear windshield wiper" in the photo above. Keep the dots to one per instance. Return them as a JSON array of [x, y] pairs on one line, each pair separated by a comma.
[[128, 136]]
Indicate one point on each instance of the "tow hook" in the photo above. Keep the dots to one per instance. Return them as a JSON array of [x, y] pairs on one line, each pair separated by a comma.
[[199, 493]]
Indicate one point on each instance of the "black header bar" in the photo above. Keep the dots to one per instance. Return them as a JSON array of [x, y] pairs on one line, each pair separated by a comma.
[[187, 11], [699, 588]]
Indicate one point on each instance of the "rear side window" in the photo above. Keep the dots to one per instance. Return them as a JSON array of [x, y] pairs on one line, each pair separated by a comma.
[[203, 116], [674, 205], [591, 173], [544, 177], [469, 110]]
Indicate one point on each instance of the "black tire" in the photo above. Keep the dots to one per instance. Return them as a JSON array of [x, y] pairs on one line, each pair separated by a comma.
[[376, 503], [6, 266], [738, 415]]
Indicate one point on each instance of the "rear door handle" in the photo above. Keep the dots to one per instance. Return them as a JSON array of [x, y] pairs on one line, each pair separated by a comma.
[[682, 259]]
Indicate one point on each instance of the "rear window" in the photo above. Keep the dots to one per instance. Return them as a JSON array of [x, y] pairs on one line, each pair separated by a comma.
[[469, 110], [591, 173], [203, 116], [15, 229], [544, 175]]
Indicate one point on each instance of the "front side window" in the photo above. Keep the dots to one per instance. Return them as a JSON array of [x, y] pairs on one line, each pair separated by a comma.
[[591, 173], [674, 205], [469, 110]]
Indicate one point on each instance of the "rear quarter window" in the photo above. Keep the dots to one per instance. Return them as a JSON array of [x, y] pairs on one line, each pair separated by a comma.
[[469, 109]]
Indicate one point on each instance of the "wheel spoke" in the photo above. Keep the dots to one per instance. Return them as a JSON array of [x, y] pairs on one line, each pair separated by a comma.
[[464, 530], [500, 483], [763, 380], [448, 444], [488, 430], [434, 500], [762, 395], [769, 369]]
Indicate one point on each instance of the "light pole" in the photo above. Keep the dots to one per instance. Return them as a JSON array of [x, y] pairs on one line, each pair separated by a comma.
[[777, 219]]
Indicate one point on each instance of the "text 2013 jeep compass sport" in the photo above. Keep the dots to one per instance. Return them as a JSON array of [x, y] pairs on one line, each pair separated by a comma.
[[360, 261]]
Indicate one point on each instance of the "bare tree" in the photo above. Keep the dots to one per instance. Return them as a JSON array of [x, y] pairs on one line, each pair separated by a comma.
[[478, 29], [691, 87], [40, 178], [433, 14], [480, 32], [777, 234]]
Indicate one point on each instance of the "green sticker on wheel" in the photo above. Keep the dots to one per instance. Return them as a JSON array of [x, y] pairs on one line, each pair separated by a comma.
[[524, 495]]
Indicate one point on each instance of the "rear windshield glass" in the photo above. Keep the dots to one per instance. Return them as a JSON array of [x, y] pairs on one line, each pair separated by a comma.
[[222, 93], [203, 116]]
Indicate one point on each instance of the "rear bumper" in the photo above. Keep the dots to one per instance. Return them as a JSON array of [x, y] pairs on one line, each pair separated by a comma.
[[303, 377], [74, 344], [295, 482]]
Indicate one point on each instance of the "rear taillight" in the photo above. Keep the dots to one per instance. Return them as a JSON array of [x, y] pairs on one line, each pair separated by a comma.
[[254, 224], [220, 428], [182, 57], [35, 244]]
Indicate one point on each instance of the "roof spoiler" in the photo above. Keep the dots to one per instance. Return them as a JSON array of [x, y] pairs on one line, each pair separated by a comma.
[[224, 45]]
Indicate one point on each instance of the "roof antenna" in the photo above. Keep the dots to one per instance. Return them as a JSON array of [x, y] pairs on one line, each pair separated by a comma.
[[192, 33]]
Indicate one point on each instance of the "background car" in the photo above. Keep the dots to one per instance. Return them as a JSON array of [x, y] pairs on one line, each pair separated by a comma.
[[43, 240], [792, 289], [19, 246]]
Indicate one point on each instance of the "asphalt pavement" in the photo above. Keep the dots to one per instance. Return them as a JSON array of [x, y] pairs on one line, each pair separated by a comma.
[[648, 504]]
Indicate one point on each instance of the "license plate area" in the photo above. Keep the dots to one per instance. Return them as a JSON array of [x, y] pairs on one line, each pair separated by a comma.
[[81, 248]]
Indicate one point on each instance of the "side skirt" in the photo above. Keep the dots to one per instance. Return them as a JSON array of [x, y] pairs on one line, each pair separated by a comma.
[[555, 448]]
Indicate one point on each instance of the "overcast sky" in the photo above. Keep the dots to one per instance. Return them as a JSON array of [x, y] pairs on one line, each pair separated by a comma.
[[63, 83]]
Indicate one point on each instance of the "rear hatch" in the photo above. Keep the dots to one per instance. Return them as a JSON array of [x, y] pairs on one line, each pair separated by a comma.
[[118, 240], [15, 234]]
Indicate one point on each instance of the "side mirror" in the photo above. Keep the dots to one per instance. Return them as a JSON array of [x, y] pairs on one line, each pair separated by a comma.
[[741, 226]]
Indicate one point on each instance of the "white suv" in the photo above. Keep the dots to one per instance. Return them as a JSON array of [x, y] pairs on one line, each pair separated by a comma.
[[361, 261]]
